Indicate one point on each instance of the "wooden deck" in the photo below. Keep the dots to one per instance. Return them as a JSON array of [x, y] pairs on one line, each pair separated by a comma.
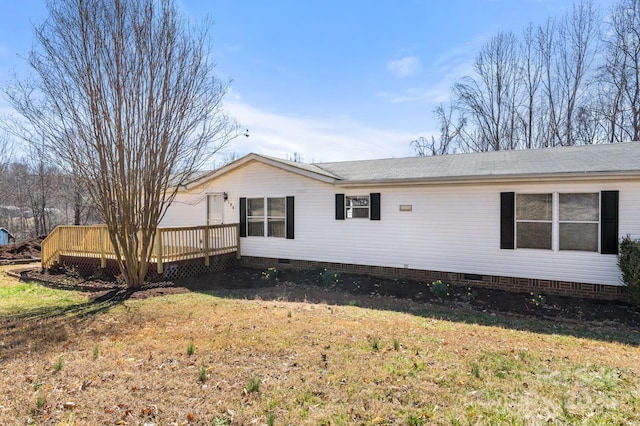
[[171, 244]]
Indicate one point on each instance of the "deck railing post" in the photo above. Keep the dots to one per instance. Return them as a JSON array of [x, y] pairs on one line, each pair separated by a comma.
[[59, 248], [238, 241], [159, 251], [206, 245], [103, 248]]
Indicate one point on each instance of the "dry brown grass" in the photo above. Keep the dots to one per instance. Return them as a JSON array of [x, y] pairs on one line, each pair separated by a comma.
[[316, 364]]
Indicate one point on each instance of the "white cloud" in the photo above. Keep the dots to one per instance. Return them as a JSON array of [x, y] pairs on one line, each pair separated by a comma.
[[446, 70], [317, 140], [409, 65]]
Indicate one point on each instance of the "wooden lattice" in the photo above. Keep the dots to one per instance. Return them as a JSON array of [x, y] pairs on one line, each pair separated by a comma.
[[87, 266]]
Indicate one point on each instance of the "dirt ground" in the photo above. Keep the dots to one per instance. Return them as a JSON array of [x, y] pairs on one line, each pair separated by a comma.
[[363, 290], [22, 250]]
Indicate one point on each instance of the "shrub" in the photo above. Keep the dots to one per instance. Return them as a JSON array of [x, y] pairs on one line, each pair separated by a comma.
[[629, 263], [271, 274], [471, 294], [439, 288], [329, 277], [538, 299]]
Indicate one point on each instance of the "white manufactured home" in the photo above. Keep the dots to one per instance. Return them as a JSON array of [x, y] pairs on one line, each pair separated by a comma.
[[545, 220]]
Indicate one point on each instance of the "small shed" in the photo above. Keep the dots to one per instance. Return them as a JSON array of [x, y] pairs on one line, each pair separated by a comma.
[[5, 237]]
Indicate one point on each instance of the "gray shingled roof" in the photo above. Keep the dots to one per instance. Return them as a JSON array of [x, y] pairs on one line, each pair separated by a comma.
[[586, 159], [314, 168]]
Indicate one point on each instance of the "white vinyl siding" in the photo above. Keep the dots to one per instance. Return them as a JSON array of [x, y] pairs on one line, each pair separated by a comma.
[[454, 228]]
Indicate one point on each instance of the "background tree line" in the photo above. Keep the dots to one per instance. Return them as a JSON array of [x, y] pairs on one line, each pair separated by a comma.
[[36, 195], [574, 80]]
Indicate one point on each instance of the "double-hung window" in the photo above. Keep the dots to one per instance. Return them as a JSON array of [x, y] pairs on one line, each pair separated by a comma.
[[534, 221], [271, 217], [255, 217], [276, 217], [579, 221], [357, 207], [573, 217], [560, 221]]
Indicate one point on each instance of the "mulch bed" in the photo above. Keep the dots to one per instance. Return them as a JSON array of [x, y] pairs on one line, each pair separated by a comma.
[[21, 252], [364, 289]]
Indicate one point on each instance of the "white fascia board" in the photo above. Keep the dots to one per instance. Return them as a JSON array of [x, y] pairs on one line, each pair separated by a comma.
[[471, 180]]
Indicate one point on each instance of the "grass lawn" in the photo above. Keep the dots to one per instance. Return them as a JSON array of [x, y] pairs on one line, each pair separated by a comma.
[[198, 358], [19, 298]]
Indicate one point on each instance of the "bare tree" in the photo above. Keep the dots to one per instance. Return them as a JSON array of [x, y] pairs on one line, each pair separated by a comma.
[[125, 92], [578, 35], [451, 129], [488, 98], [621, 71], [42, 189], [19, 215], [6, 151], [531, 77]]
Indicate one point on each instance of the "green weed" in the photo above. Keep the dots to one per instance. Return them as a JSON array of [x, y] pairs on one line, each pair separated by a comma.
[[375, 344], [396, 345], [59, 364], [221, 421], [475, 370], [253, 385], [41, 402], [271, 419], [202, 373]]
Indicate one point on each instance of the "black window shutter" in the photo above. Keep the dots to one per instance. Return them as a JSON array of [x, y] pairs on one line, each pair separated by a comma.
[[243, 217], [609, 222], [339, 206], [290, 218], [507, 220], [374, 198]]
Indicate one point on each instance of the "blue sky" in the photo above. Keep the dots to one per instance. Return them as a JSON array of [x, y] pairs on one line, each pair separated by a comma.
[[329, 79]]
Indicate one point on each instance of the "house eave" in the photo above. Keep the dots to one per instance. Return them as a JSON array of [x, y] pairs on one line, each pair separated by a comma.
[[492, 179]]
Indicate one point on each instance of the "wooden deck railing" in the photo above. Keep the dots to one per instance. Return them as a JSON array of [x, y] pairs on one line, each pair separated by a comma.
[[171, 244]]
